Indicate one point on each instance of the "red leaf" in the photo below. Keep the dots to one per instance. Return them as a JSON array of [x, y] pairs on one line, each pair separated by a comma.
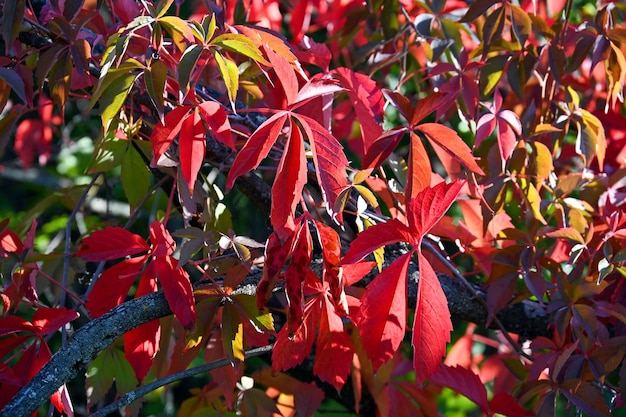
[[30, 141], [192, 146], [452, 143], [14, 324], [353, 273], [368, 103], [9, 240], [113, 285], [429, 206], [382, 147], [463, 381], [329, 159], [290, 351], [375, 237], [286, 75], [257, 147], [504, 403], [165, 132], [317, 87], [141, 344], [307, 399], [295, 275], [162, 242], [382, 320], [419, 170], [432, 325], [331, 254], [289, 182], [276, 252], [429, 104], [217, 120], [333, 351], [484, 127], [111, 243], [177, 289], [49, 320], [401, 103]]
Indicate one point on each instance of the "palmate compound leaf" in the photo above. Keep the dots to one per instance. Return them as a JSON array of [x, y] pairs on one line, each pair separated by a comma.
[[190, 124], [382, 322]]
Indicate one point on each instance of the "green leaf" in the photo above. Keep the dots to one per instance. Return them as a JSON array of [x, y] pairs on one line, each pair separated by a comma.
[[186, 66], [108, 367], [521, 24], [476, 10], [177, 26], [261, 321], [591, 139], [111, 94], [232, 332], [240, 44], [109, 154], [230, 74], [59, 79], [389, 18], [135, 175], [492, 29], [155, 79], [533, 198], [162, 7]]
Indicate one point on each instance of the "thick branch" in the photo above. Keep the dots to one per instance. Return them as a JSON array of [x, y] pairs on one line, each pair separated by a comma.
[[527, 319]]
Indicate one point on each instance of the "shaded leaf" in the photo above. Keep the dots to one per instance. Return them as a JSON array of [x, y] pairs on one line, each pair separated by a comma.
[[463, 381]]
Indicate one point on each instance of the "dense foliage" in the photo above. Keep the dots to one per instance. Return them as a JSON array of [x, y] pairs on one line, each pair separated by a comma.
[[252, 189]]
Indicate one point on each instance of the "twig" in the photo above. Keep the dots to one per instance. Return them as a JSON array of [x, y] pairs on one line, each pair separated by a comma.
[[68, 244], [142, 391]]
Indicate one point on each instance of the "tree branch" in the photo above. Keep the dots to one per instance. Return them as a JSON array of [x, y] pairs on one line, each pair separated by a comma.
[[527, 319]]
